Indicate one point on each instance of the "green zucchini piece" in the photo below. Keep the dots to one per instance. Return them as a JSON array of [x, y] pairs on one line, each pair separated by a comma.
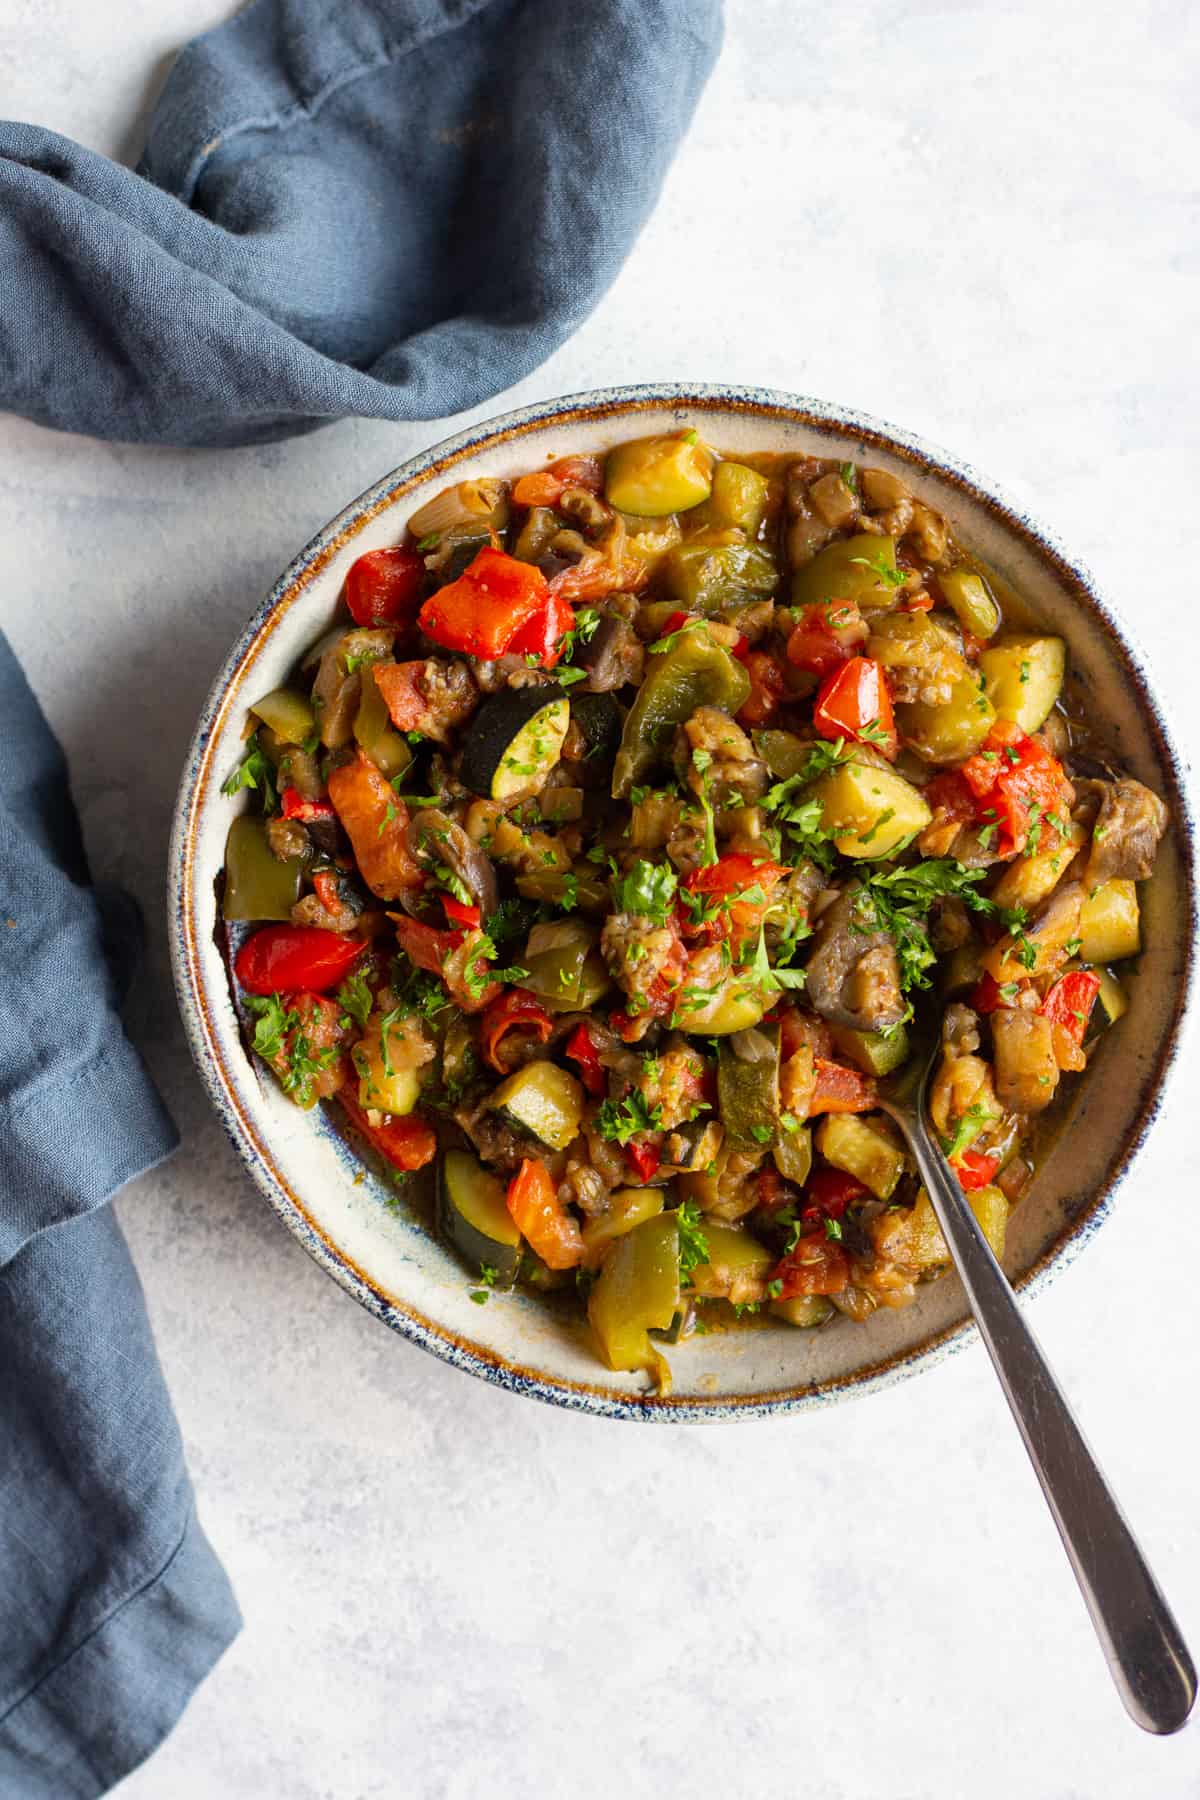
[[710, 572], [856, 568], [851, 1143], [582, 886], [475, 1218], [654, 476], [874, 1052], [1023, 677], [289, 715], [599, 718], [542, 1101], [793, 1153], [967, 596], [556, 957], [1111, 1002], [805, 1310], [515, 739], [736, 1266], [739, 497], [748, 1087], [694, 1146], [627, 1209]]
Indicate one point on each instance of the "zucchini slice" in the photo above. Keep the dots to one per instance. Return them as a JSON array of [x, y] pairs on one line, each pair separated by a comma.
[[859, 1147], [748, 1087], [515, 739], [475, 1218], [600, 719], [542, 1101]]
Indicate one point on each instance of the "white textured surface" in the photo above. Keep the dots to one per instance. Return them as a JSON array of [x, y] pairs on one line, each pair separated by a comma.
[[971, 220]]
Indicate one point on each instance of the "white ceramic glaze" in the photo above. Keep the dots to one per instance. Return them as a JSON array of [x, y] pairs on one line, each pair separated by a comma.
[[387, 1258]]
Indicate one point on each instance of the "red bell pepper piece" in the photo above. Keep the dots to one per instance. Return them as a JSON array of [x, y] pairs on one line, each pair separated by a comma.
[[840, 1090], [580, 1048], [326, 889], [1069, 1002], [643, 1158], [405, 1142], [1017, 784], [855, 702], [542, 1219], [543, 635], [280, 959], [766, 688], [828, 1192], [481, 613], [752, 879], [826, 636], [384, 587], [974, 1169], [294, 806], [458, 912], [424, 945], [624, 1025], [513, 1010], [816, 1265]]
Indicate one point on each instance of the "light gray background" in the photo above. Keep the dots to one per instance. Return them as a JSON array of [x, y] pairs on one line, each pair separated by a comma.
[[976, 221]]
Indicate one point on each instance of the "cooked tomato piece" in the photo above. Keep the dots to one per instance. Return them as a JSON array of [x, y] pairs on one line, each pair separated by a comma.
[[839, 1089], [816, 1265], [580, 1048], [826, 636], [540, 489], [406, 1142], [643, 1158], [426, 946], [281, 959], [856, 702], [974, 1169], [384, 587], [766, 688], [828, 1192], [1020, 789], [375, 820], [717, 913], [542, 1219]]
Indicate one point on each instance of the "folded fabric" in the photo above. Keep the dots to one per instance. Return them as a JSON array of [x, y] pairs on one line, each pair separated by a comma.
[[113, 1604], [393, 208]]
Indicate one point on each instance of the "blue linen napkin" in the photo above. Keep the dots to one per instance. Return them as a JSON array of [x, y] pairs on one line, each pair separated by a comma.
[[393, 208], [112, 1604]]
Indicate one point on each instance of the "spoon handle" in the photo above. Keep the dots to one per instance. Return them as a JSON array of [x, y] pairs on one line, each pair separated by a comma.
[[1143, 1645]]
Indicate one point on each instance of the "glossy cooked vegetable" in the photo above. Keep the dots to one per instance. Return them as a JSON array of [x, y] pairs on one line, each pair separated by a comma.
[[603, 853]]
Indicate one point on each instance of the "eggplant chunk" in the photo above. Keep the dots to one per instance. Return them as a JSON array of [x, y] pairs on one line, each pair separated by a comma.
[[1026, 1066]]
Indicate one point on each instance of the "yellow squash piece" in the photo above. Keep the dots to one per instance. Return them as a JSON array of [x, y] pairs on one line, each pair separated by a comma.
[[1109, 923], [1023, 677], [658, 475], [870, 812]]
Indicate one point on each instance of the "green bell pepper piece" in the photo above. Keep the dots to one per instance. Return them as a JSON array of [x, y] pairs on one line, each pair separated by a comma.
[[373, 729], [739, 497], [257, 884], [793, 1153], [854, 568], [748, 1087], [693, 672], [556, 957], [706, 575], [288, 714], [637, 1291]]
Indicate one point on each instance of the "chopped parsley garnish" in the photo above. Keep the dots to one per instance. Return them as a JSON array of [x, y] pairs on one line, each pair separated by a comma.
[[254, 771], [647, 888], [693, 1244], [355, 997], [621, 1120]]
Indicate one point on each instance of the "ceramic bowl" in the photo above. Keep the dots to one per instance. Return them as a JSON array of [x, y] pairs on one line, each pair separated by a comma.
[[356, 1229]]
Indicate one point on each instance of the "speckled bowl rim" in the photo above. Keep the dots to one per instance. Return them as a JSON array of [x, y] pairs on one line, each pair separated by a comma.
[[585, 408]]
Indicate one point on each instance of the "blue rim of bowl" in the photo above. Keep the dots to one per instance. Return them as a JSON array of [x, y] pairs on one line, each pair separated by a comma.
[[184, 903]]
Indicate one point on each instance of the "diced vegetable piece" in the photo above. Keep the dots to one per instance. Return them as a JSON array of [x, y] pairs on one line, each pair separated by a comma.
[[1023, 677], [792, 1153], [861, 568], [967, 596], [1031, 879], [407, 1144], [1109, 924], [481, 612], [654, 476], [582, 886], [556, 956], [695, 1145], [516, 1012], [562, 805], [838, 1089], [637, 1291], [543, 1101], [991, 1209], [542, 1219], [1044, 945], [1069, 1002], [739, 497], [283, 959], [396, 1091], [599, 718], [289, 715], [1017, 783], [803, 1310], [862, 1148], [384, 587], [736, 1006], [1111, 996], [748, 1086], [714, 570], [386, 747], [515, 739], [814, 1266], [874, 1052], [961, 970], [951, 730], [826, 635], [375, 820], [736, 1267], [694, 672], [869, 811], [855, 702], [627, 1209], [257, 884], [784, 753], [475, 1217], [472, 505]]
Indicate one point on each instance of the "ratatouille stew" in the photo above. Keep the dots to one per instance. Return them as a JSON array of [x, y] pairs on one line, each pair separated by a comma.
[[599, 853]]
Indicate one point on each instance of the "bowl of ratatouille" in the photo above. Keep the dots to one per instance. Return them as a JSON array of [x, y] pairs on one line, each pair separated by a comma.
[[592, 820]]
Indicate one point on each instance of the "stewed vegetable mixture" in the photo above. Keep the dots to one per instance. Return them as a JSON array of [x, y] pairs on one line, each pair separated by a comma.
[[600, 852]]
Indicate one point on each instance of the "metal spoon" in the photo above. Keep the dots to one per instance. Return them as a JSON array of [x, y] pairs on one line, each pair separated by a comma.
[[1142, 1644]]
